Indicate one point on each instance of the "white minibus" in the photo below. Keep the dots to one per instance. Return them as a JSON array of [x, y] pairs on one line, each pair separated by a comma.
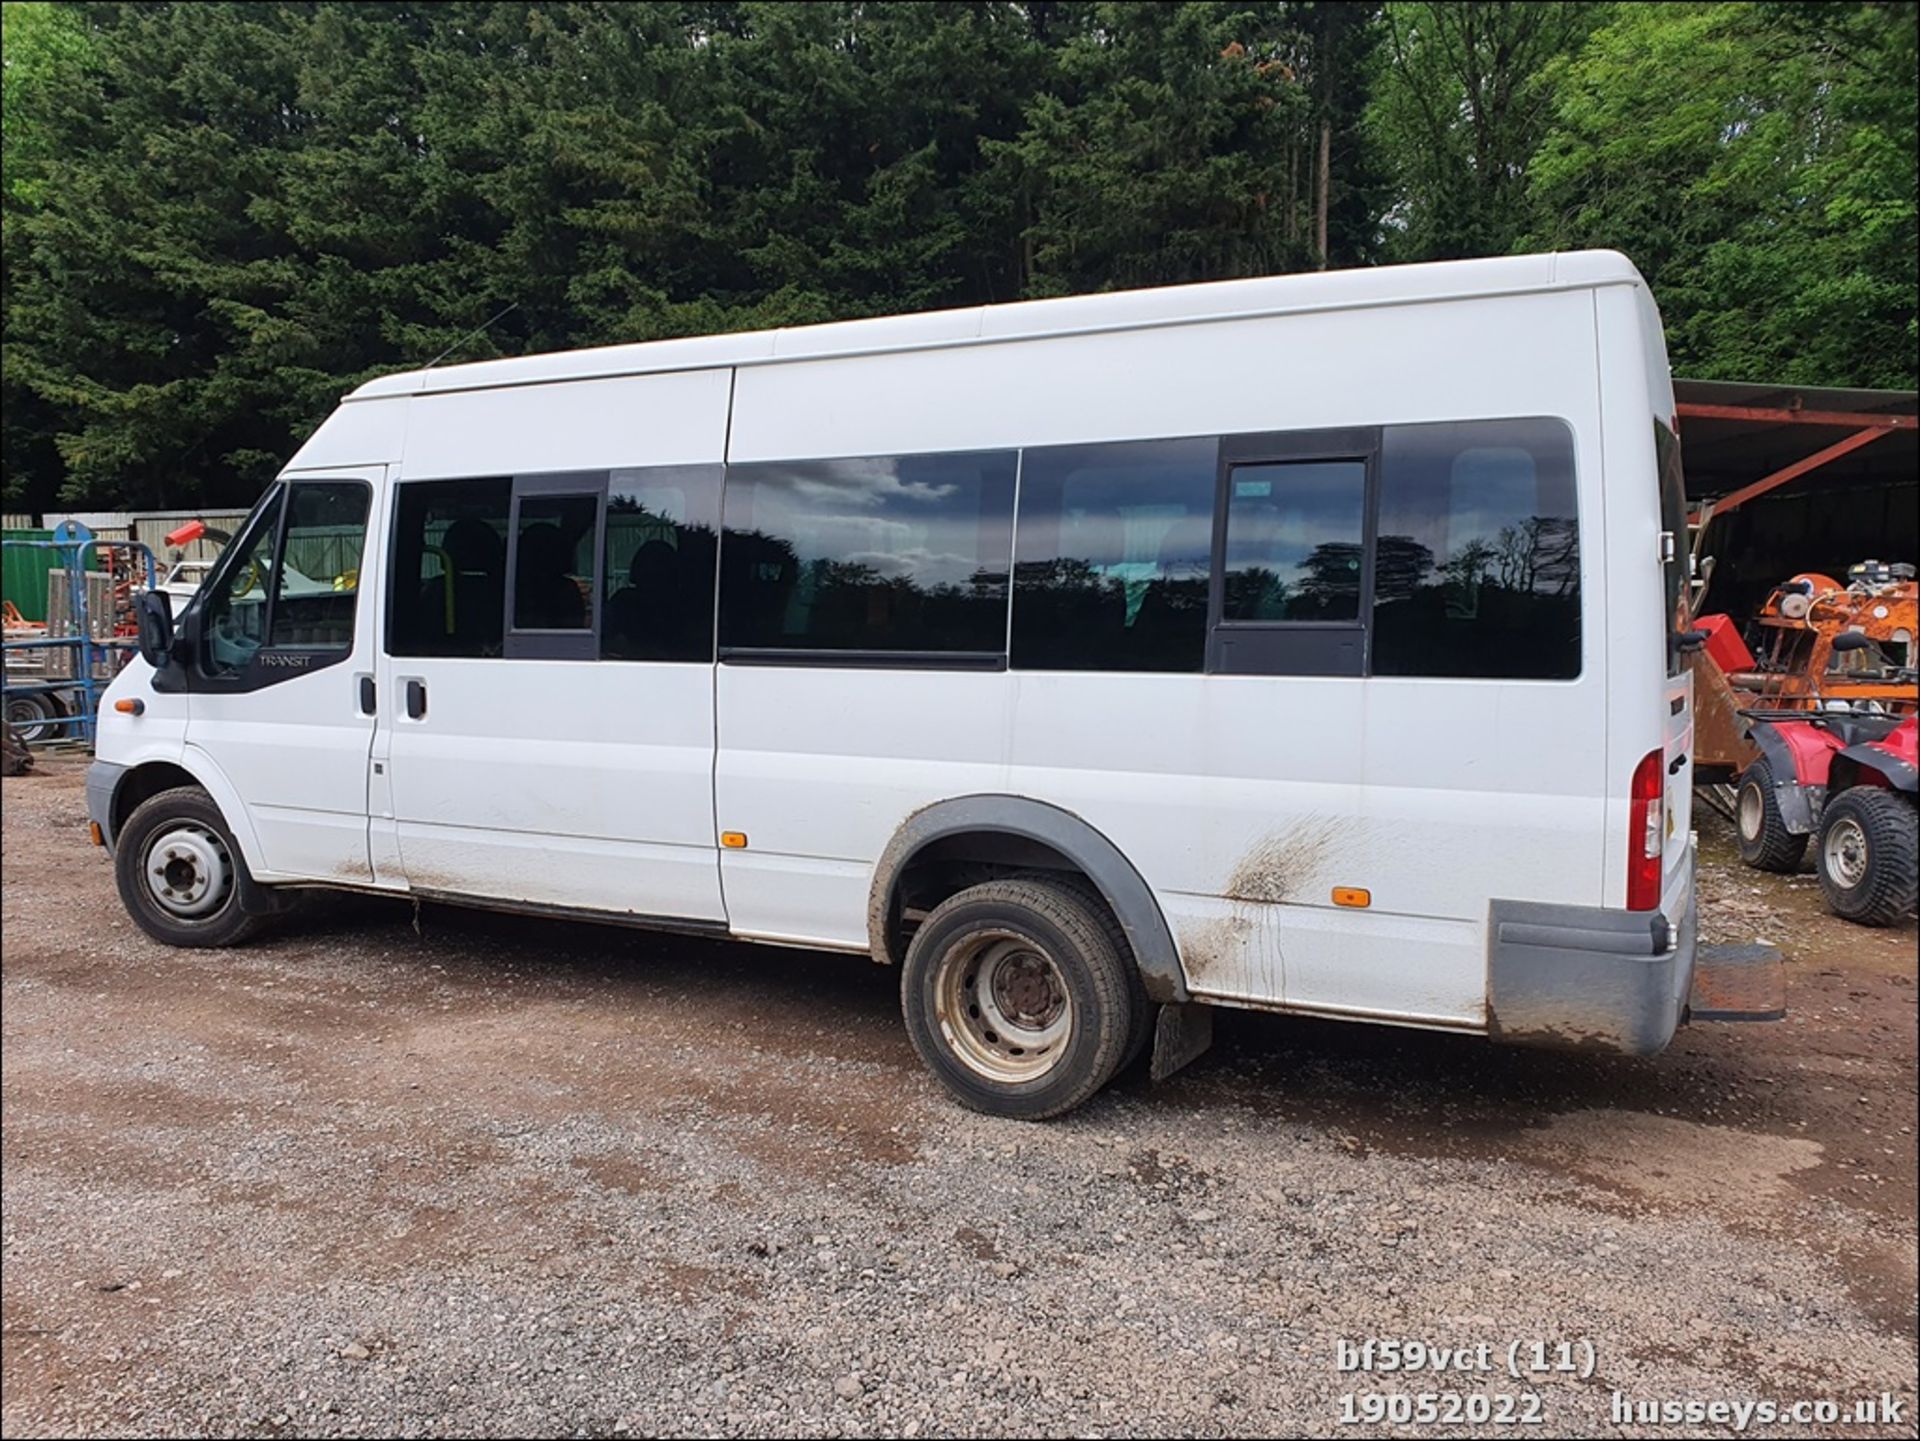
[[1308, 643]]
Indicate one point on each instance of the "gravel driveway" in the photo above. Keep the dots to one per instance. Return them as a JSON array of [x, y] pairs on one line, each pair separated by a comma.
[[462, 1174]]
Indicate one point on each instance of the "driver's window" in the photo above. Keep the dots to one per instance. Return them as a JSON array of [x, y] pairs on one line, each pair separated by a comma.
[[236, 594]]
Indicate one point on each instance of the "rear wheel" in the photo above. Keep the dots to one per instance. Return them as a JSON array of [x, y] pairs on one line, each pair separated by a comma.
[[1869, 844], [1765, 842], [1017, 995], [33, 717], [182, 878]]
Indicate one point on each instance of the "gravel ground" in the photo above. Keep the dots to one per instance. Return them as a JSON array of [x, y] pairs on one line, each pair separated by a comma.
[[460, 1174]]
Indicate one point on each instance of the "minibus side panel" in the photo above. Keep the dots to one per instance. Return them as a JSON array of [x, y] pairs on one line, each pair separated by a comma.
[[1242, 800]]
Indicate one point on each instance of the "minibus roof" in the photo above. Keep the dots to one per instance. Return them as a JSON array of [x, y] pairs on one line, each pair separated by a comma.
[[1036, 319]]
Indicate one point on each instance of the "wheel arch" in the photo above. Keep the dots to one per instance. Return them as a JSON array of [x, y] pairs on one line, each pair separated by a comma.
[[1796, 792], [1888, 769], [146, 778], [1026, 828]]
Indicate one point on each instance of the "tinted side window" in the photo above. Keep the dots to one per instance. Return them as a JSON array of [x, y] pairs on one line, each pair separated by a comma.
[[449, 592], [1115, 545], [1477, 569], [904, 554], [1294, 537], [553, 565], [658, 577], [319, 572]]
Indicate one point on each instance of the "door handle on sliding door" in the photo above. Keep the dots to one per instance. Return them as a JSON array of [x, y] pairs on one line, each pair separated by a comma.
[[416, 700], [366, 695]]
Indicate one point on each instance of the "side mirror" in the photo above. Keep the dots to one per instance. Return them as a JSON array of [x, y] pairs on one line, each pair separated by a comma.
[[154, 609], [1849, 640]]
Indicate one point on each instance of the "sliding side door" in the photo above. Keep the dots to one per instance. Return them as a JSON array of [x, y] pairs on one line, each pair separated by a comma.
[[547, 689]]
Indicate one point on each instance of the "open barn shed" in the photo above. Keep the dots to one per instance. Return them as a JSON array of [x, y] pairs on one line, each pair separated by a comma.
[[1796, 478]]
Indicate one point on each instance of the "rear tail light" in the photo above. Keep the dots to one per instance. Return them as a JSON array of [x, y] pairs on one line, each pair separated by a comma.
[[1646, 833]]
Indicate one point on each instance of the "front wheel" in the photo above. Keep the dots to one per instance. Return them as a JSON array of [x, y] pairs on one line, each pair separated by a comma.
[[1018, 996], [1868, 843], [182, 878], [1765, 842]]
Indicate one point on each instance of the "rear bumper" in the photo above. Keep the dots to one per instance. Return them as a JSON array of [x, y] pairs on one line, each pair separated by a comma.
[[103, 778], [1586, 978]]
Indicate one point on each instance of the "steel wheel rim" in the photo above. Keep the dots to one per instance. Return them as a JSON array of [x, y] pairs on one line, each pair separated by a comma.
[[188, 871], [1845, 852], [1752, 811], [31, 716], [1003, 1006]]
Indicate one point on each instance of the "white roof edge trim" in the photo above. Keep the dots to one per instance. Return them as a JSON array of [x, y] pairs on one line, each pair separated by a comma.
[[1557, 272]]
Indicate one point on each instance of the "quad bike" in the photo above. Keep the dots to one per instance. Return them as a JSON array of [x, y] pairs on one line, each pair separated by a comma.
[[1849, 780], [1784, 737]]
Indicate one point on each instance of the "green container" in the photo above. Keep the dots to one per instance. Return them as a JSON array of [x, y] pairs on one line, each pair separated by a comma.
[[26, 568]]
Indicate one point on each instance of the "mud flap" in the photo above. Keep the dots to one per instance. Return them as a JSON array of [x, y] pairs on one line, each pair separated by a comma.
[[1180, 1035], [1738, 983]]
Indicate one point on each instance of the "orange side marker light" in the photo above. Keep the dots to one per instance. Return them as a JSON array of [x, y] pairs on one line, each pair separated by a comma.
[[133, 706], [1352, 896], [94, 832], [734, 840]]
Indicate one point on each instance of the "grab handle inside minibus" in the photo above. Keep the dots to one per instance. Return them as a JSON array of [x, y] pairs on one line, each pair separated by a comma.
[[416, 700]]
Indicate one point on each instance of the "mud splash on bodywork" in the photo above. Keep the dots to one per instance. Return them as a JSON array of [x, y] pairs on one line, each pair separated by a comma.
[[1278, 868]]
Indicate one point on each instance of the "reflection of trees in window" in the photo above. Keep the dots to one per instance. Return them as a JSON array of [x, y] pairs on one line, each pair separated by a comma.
[[1331, 590], [1073, 614], [1400, 566], [880, 554], [773, 598], [1541, 554]]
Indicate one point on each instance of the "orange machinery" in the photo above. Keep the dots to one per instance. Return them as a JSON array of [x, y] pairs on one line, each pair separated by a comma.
[[1798, 668]]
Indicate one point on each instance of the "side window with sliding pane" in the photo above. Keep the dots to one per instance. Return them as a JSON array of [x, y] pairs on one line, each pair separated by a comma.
[[889, 555], [553, 563], [1115, 546], [1478, 569], [318, 577], [657, 581], [449, 591], [1294, 541]]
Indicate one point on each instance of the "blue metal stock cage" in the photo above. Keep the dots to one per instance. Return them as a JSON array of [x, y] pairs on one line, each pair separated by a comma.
[[40, 704]]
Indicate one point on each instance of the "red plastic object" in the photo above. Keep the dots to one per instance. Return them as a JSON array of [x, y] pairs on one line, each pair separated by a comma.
[[1903, 745], [1724, 645], [191, 531]]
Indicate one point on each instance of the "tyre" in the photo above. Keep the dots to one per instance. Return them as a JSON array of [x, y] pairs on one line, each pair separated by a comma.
[[32, 718], [182, 878], [1144, 1011], [1765, 842], [1869, 851], [1019, 997]]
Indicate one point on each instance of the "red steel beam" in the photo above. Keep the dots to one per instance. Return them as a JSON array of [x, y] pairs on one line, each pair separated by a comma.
[[1797, 469], [1857, 419]]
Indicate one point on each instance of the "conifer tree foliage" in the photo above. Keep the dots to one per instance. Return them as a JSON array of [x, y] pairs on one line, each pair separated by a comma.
[[219, 217]]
